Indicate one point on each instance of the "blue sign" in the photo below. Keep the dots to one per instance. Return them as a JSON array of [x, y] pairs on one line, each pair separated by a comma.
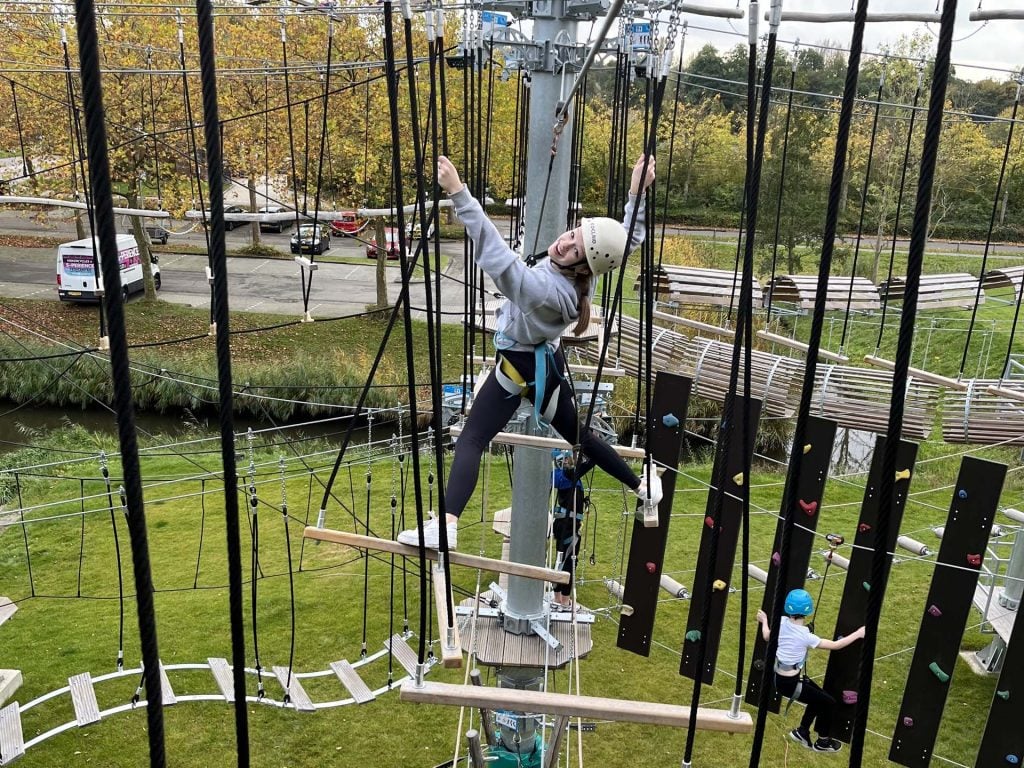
[[640, 36], [490, 19]]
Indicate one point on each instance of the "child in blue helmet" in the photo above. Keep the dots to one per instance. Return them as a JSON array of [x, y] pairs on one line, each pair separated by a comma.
[[795, 641], [570, 506]]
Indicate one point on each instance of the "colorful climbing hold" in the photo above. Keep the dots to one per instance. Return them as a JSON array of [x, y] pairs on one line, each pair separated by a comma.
[[863, 527], [974, 560], [776, 559], [670, 420], [807, 448], [1013, 760], [693, 636], [810, 507], [938, 672], [738, 478], [1004, 695], [933, 610], [718, 585], [849, 697], [961, 493], [709, 521], [902, 474], [651, 567], [908, 722], [867, 587]]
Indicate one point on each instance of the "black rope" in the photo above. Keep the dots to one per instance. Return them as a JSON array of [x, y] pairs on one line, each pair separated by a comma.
[[222, 319], [671, 148], [880, 559], [899, 205], [24, 534], [254, 579], [863, 208], [99, 175], [988, 237], [117, 557], [788, 508], [202, 529], [81, 541], [782, 187]]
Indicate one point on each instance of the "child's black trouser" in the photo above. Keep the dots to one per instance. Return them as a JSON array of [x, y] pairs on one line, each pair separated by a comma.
[[819, 704]]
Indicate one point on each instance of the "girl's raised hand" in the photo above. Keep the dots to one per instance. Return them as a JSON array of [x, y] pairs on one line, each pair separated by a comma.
[[447, 176]]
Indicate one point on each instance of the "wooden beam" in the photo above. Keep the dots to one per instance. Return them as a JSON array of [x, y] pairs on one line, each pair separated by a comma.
[[697, 325], [451, 645], [982, 14], [620, 710], [811, 17], [823, 354], [1012, 394], [456, 558], [918, 373], [512, 438], [576, 369]]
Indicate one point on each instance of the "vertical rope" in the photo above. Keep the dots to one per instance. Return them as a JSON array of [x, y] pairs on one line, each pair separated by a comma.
[[152, 123], [24, 535], [788, 508], [782, 185], [222, 319], [99, 176], [880, 559]]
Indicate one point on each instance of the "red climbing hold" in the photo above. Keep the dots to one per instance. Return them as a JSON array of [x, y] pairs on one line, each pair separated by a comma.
[[908, 722], [709, 521], [849, 697], [776, 559], [810, 507], [933, 610], [863, 527], [974, 560], [651, 567]]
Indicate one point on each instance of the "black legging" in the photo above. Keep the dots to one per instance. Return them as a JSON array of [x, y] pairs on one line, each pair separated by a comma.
[[566, 531], [819, 704], [493, 407]]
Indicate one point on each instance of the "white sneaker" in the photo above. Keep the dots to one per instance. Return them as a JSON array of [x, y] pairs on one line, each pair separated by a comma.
[[650, 496], [431, 535]]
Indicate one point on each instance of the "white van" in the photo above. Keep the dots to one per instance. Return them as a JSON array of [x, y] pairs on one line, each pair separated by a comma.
[[76, 278]]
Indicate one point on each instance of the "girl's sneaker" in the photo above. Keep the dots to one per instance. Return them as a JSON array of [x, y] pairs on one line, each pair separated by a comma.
[[801, 737], [825, 744]]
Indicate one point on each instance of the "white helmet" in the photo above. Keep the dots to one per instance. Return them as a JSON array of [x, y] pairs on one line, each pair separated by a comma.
[[604, 241]]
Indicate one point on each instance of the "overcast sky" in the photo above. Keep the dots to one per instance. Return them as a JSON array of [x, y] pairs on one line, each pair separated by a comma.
[[997, 44]]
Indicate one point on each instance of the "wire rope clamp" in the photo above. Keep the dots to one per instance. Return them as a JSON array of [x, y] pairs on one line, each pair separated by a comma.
[[936, 670], [693, 636], [849, 697], [809, 507], [719, 585], [933, 610], [974, 560], [1004, 695], [738, 478], [807, 448], [670, 420], [908, 722], [902, 474]]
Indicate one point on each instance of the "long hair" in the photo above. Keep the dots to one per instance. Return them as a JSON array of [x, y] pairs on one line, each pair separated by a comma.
[[582, 301]]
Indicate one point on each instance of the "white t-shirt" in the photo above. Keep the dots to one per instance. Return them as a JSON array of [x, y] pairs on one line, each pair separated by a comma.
[[794, 640]]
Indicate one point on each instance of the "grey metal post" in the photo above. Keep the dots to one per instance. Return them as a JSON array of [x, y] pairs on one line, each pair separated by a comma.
[[1013, 589], [531, 479]]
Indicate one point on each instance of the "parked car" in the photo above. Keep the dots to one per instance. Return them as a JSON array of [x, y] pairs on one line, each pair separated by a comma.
[[311, 238], [392, 242], [228, 224], [158, 234], [274, 226], [347, 224]]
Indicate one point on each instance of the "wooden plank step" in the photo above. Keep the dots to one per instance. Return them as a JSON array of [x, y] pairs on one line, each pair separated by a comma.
[[296, 693], [12, 741], [502, 522], [352, 681], [403, 654], [506, 553], [166, 692], [222, 674], [7, 609], [83, 696]]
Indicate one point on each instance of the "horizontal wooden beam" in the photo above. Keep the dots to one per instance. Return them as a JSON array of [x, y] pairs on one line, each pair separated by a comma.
[[1012, 394], [918, 373], [811, 17], [455, 558], [576, 369], [533, 441], [54, 202], [823, 354], [619, 710], [697, 325], [711, 10], [982, 14]]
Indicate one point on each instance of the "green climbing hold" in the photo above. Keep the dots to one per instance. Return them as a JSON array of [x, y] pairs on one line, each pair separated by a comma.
[[693, 636], [937, 671], [1004, 695], [867, 587]]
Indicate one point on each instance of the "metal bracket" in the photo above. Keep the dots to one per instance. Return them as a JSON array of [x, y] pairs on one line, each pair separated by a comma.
[[547, 637]]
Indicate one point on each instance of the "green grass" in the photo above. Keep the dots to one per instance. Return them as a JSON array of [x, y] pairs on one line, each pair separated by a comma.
[[51, 638]]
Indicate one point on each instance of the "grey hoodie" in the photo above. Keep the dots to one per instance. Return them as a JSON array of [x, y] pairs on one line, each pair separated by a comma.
[[540, 302]]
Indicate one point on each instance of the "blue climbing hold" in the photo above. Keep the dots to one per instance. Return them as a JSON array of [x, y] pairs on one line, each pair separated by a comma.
[[670, 420], [1013, 759], [962, 493]]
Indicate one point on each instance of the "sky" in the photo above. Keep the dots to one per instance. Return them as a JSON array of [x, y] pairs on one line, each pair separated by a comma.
[[995, 44]]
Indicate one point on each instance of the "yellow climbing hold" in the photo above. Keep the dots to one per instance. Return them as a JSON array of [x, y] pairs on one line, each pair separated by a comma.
[[807, 448], [738, 478], [903, 474], [719, 585]]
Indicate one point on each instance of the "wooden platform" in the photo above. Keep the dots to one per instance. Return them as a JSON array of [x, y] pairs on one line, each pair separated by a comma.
[[859, 292], [999, 617], [979, 415], [957, 289], [497, 648], [695, 285], [592, 707], [455, 558]]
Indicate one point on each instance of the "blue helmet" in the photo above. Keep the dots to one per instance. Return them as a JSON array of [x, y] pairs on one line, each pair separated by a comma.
[[799, 603], [559, 454]]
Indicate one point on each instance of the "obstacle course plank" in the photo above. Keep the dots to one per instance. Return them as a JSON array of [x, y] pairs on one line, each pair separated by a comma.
[[971, 513], [665, 426], [720, 571], [12, 740], [83, 697], [844, 666], [815, 457]]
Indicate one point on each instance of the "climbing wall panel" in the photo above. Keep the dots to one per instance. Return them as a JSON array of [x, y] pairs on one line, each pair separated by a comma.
[[1003, 742], [665, 427], [843, 672], [721, 570], [815, 457], [949, 604]]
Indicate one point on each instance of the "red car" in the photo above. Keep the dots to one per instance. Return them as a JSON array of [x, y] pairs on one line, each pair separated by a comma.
[[393, 244], [348, 223]]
